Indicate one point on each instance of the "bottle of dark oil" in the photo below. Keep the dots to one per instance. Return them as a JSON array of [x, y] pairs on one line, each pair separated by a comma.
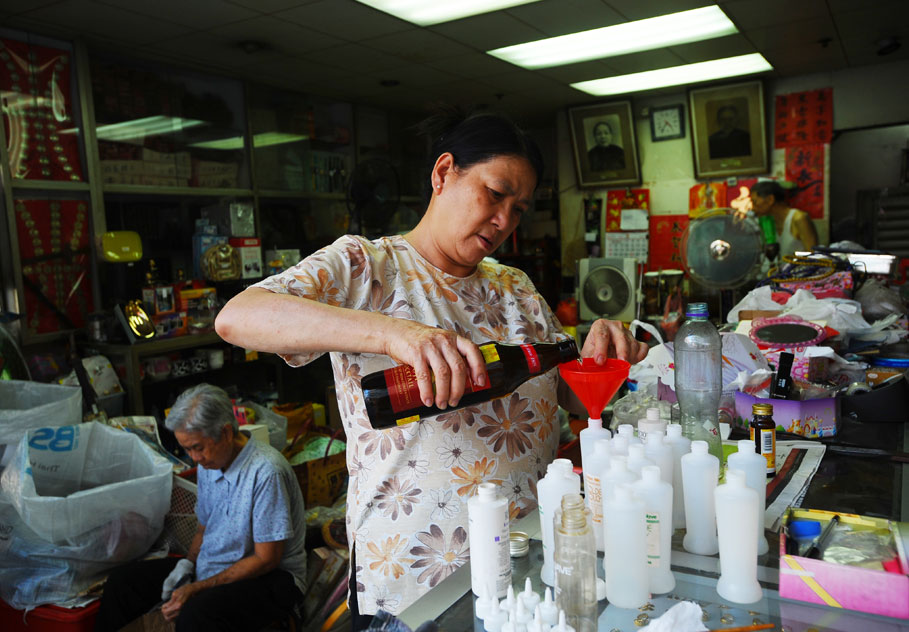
[[763, 433], [393, 396]]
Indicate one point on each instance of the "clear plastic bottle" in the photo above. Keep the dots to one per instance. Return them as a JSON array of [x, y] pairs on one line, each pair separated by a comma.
[[575, 564], [559, 480], [698, 377]]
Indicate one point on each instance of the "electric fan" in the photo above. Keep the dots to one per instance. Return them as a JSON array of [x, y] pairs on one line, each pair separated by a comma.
[[722, 251], [607, 288]]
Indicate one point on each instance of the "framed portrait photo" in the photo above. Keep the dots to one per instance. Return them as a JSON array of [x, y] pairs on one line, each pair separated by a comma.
[[604, 146], [728, 130], [667, 122]]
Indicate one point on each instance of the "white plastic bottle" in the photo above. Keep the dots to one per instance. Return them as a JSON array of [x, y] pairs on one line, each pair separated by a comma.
[[495, 618], [680, 447], [548, 608], [657, 496], [559, 480], [736, 505], [625, 561], [588, 436], [699, 474], [488, 530], [753, 465], [618, 445], [597, 464], [637, 459], [650, 423], [657, 450], [627, 431]]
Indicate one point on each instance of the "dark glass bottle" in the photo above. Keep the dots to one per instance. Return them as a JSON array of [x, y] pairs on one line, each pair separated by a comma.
[[393, 397], [782, 379], [763, 433]]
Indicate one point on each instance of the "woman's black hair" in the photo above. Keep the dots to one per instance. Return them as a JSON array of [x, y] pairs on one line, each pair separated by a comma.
[[473, 136], [770, 187]]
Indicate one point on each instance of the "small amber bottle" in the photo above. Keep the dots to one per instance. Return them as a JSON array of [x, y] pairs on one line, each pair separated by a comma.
[[763, 433]]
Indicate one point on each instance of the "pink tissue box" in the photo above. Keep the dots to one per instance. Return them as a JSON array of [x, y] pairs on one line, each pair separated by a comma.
[[811, 418], [841, 586]]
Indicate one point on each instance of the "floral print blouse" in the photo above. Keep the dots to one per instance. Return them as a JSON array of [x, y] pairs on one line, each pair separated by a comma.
[[409, 485]]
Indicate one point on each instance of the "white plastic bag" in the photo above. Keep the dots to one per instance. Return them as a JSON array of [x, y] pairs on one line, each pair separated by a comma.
[[76, 501], [25, 405]]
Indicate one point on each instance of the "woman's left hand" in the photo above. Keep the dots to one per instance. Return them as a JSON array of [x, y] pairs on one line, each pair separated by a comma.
[[610, 339]]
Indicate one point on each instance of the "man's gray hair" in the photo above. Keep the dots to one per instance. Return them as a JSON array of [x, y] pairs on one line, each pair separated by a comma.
[[202, 408]]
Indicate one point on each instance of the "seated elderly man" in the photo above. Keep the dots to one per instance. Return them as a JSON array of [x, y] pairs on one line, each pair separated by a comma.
[[246, 565]]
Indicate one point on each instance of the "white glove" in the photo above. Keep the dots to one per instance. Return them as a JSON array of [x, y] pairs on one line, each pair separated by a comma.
[[182, 570]]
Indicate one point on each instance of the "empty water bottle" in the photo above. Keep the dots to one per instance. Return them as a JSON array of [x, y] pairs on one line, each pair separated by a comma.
[[698, 378]]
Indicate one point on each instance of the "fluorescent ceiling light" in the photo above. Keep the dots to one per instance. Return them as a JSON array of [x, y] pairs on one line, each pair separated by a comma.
[[426, 12], [676, 75], [265, 139], [621, 39]]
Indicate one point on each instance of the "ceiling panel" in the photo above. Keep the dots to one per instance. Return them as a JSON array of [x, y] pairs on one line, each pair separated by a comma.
[[488, 31], [270, 6], [521, 80], [637, 10], [875, 22], [417, 45], [196, 14], [645, 60], [24, 6], [716, 48], [578, 72], [356, 58], [84, 16], [345, 19], [418, 75], [560, 17], [213, 51], [473, 65], [795, 34], [278, 35], [748, 14]]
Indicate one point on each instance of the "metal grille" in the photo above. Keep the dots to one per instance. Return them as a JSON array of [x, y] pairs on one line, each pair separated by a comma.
[[180, 522]]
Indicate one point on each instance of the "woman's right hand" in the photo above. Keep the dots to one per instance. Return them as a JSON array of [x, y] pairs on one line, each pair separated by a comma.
[[437, 356]]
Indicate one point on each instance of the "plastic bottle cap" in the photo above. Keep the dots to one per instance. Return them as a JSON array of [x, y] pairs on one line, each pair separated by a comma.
[[647, 426], [626, 430], [674, 430], [736, 478], [804, 529], [486, 491], [620, 443], [653, 414], [518, 544], [601, 589], [655, 437], [618, 462], [747, 445], [636, 450], [594, 422], [563, 465], [699, 447]]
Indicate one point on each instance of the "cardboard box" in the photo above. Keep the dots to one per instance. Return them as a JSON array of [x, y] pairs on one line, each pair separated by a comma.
[[201, 243], [250, 251], [811, 418], [839, 585]]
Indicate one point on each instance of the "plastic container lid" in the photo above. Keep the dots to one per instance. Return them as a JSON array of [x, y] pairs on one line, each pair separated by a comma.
[[804, 529]]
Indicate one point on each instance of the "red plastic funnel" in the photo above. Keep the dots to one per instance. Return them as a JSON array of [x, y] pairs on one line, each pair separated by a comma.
[[594, 384]]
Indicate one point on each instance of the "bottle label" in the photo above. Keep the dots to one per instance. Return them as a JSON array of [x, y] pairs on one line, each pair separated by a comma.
[[404, 392], [766, 443], [594, 493], [533, 360], [653, 539]]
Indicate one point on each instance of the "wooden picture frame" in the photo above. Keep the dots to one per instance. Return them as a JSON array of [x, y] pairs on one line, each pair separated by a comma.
[[604, 145], [728, 130]]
